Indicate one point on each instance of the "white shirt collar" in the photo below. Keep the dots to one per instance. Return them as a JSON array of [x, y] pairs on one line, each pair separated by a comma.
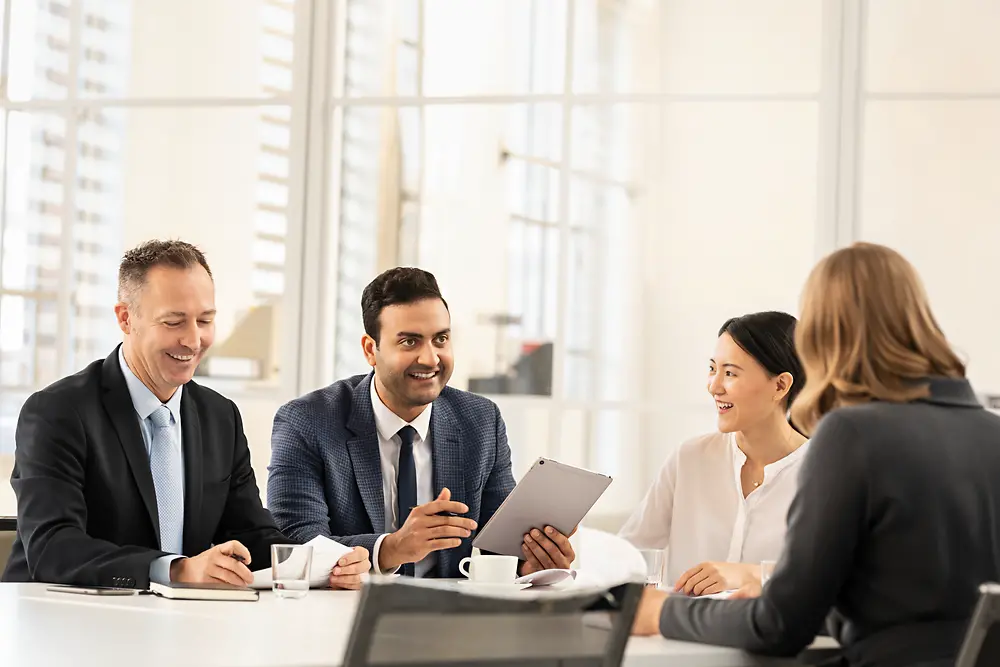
[[143, 400], [771, 469], [388, 422]]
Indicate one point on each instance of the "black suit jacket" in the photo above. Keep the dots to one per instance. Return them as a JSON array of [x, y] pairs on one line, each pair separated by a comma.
[[86, 505]]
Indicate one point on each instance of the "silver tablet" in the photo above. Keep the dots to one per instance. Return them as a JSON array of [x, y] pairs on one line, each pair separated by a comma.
[[550, 494]]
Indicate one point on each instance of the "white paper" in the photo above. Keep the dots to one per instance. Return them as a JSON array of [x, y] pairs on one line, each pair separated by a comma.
[[724, 595], [326, 553], [546, 577]]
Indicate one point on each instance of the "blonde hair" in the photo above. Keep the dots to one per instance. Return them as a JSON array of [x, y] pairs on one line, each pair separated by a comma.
[[866, 333]]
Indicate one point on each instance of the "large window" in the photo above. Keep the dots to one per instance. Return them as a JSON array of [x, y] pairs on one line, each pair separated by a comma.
[[113, 134], [597, 185]]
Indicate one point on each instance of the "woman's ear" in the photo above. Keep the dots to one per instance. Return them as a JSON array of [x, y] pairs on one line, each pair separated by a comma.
[[782, 385]]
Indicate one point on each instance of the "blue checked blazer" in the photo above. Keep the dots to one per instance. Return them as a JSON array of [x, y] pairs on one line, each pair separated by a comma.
[[325, 476]]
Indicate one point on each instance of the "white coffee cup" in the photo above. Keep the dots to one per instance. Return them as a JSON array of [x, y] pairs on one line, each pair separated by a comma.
[[489, 569]]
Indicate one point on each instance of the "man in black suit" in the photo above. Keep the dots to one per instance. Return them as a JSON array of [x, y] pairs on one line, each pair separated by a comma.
[[128, 471]]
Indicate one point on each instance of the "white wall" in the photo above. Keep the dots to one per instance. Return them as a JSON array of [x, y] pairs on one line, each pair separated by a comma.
[[734, 235], [931, 161]]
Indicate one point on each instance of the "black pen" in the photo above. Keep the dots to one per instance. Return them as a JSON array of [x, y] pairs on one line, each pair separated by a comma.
[[440, 513]]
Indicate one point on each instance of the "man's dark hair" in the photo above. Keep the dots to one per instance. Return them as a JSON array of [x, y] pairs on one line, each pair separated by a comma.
[[400, 285], [139, 260]]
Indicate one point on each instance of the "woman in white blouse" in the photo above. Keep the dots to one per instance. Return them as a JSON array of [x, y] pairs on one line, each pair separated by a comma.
[[719, 504]]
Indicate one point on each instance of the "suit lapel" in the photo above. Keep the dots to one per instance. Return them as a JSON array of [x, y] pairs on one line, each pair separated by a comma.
[[449, 466], [118, 404], [363, 449], [193, 468]]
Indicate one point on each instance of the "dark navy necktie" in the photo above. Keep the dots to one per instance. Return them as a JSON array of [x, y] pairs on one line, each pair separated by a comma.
[[406, 484]]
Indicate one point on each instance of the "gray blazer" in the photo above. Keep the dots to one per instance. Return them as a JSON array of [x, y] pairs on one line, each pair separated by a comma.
[[326, 479], [895, 525]]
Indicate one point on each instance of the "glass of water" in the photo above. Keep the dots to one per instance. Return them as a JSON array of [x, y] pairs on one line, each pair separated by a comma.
[[654, 566], [290, 567]]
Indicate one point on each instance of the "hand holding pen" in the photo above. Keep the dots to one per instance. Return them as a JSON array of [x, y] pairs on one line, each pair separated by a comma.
[[433, 526], [223, 563]]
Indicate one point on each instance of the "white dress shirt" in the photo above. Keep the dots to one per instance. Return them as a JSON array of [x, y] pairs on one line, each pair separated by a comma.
[[695, 508], [145, 403], [388, 424]]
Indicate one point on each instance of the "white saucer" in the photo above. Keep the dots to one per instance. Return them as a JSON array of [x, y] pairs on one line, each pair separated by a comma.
[[491, 588]]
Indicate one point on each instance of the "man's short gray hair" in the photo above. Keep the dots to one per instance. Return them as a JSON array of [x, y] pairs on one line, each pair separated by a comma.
[[139, 260]]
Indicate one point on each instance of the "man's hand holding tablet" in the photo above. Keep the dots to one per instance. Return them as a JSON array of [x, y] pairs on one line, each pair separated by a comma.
[[541, 513], [546, 549]]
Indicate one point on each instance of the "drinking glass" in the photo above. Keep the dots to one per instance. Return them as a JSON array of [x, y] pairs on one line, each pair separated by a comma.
[[290, 566], [654, 566]]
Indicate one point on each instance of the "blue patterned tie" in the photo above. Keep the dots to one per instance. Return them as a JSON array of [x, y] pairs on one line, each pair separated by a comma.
[[406, 484], [165, 464]]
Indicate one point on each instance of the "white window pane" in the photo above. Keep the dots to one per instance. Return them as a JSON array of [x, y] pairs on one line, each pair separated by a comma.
[[276, 76], [573, 442], [268, 282], [528, 427], [933, 45], [272, 193], [181, 173], [603, 272], [275, 135], [279, 18], [733, 46], [407, 70], [932, 174], [130, 47], [273, 165], [34, 201], [269, 252], [533, 190], [462, 41], [27, 328], [617, 448], [276, 46], [268, 222], [616, 46], [533, 130], [39, 38]]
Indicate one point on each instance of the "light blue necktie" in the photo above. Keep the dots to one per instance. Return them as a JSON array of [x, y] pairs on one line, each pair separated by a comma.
[[165, 464]]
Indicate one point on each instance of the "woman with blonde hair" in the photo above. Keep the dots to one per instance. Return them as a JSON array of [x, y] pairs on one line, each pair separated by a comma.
[[896, 522]]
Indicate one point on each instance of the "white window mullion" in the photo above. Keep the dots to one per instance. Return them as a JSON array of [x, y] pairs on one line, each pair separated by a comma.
[[64, 333], [307, 302], [841, 123], [562, 273]]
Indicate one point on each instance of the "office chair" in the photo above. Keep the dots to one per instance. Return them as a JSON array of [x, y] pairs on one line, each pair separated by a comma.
[[8, 531], [408, 623], [981, 646]]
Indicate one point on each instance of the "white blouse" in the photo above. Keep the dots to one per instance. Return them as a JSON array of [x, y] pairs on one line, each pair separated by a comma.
[[696, 510]]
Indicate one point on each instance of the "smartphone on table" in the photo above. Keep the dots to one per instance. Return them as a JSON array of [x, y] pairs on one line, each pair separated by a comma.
[[92, 590]]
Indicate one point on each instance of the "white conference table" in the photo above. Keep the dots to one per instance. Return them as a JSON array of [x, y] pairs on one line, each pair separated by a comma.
[[38, 627]]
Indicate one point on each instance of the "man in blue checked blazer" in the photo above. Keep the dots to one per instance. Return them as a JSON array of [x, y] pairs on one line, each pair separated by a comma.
[[397, 461]]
